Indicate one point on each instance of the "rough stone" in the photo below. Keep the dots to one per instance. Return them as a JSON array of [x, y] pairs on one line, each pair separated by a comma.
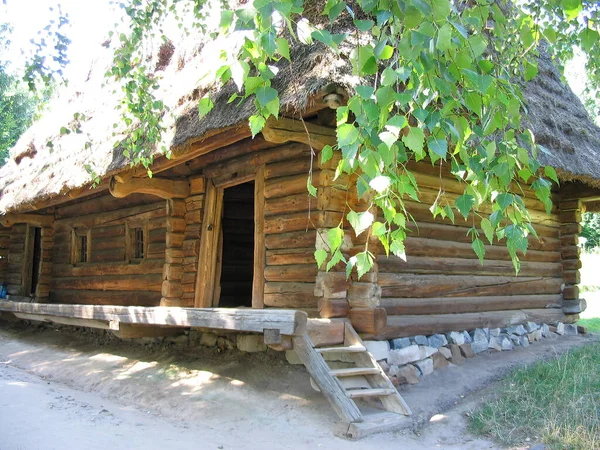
[[480, 341], [397, 344], [524, 341], [552, 336], [531, 326], [457, 357], [506, 343], [410, 354], [494, 332], [425, 366], [560, 328], [384, 366], [179, 340], [494, 343], [437, 340], [446, 352], [209, 339], [420, 340], [538, 335], [439, 360], [408, 374], [225, 344], [468, 338], [379, 349], [517, 329], [251, 343], [456, 338], [545, 330], [538, 447], [467, 350], [516, 340], [570, 330]]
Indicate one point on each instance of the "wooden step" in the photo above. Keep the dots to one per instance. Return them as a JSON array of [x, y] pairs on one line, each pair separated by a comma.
[[355, 371], [359, 393], [350, 349]]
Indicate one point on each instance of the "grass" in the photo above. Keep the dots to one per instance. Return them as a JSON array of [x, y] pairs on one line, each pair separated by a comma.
[[593, 325], [556, 402]]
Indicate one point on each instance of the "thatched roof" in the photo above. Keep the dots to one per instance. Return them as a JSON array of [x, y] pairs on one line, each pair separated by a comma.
[[38, 172]]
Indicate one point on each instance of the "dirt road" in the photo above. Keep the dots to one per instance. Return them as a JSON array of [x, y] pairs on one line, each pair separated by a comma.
[[58, 391]]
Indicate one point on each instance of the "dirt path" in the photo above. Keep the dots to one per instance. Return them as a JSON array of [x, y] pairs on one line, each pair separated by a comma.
[[60, 391]]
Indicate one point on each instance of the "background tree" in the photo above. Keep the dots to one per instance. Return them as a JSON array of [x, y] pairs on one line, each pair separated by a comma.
[[591, 230]]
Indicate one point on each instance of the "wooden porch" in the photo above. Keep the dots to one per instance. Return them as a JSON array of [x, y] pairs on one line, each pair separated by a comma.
[[283, 329]]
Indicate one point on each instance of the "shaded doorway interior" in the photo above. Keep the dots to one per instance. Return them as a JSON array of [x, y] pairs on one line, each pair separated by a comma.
[[236, 254], [34, 260]]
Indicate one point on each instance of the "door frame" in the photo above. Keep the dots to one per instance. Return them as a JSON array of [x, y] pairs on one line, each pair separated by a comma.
[[211, 230]]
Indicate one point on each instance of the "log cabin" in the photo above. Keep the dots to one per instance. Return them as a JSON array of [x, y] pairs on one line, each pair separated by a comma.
[[223, 234]]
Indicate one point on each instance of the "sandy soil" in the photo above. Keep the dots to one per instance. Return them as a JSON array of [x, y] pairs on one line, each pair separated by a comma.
[[61, 390]]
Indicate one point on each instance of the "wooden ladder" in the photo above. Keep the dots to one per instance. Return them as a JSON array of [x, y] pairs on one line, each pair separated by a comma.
[[377, 385]]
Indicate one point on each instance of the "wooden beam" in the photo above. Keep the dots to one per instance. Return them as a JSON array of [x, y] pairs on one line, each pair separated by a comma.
[[288, 322], [38, 220], [258, 280], [290, 130], [160, 187]]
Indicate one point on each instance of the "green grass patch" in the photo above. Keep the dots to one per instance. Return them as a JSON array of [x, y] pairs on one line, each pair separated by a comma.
[[556, 402], [593, 325]]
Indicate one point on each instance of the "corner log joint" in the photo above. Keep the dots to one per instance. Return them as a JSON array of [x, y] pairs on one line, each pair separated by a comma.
[[38, 220], [290, 130], [160, 187]]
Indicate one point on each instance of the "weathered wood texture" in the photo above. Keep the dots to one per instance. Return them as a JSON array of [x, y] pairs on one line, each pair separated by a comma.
[[111, 276], [570, 210]]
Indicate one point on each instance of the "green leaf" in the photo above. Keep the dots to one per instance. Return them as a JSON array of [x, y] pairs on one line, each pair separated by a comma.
[[360, 221], [364, 263], [335, 237], [551, 173], [326, 154], [205, 105], [441, 10], [265, 94], [347, 134], [64, 130], [488, 229], [309, 186], [531, 70], [320, 256], [571, 8], [283, 47], [335, 258], [414, 140], [479, 248], [464, 203], [364, 25], [365, 91], [589, 38], [438, 146], [256, 124], [444, 42]]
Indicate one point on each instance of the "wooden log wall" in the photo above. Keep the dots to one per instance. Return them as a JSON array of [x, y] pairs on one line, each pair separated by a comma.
[[570, 227], [109, 278], [4, 248], [171, 289], [15, 258], [443, 278], [194, 205]]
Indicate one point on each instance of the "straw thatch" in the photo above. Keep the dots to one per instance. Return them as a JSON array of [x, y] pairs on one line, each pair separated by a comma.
[[37, 171]]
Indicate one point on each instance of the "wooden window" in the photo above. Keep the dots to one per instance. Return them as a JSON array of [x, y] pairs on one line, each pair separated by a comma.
[[137, 241], [80, 246]]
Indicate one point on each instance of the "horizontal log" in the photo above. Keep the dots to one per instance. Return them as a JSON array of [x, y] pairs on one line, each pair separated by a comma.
[[101, 203], [408, 285], [572, 276], [370, 321], [111, 282], [146, 266], [462, 266], [571, 252], [289, 130], [159, 187], [401, 326], [301, 221], [38, 220], [569, 205], [570, 228], [292, 273], [225, 153], [573, 216], [291, 256], [93, 297], [110, 255], [102, 232], [571, 264], [333, 307], [447, 305], [295, 239], [457, 233], [325, 332], [72, 321], [296, 184], [571, 292], [288, 322]]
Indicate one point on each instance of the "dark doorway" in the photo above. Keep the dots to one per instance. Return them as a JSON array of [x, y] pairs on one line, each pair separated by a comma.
[[34, 261], [237, 240]]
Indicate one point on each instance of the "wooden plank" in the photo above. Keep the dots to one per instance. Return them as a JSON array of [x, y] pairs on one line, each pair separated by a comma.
[[303, 221], [146, 266], [258, 277], [329, 386], [160, 187], [446, 305], [295, 239], [116, 217], [297, 273], [110, 282], [384, 422], [288, 322], [211, 225], [89, 323]]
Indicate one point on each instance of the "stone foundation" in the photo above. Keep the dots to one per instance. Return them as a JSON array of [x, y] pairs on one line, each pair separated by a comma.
[[407, 360]]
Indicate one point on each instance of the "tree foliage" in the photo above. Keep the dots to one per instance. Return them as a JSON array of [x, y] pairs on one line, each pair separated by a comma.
[[591, 230], [440, 82]]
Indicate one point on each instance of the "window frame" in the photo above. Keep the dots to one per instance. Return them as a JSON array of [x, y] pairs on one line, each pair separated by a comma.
[[131, 228], [76, 245]]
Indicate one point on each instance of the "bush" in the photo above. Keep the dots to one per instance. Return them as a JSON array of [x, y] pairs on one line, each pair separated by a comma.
[[591, 230]]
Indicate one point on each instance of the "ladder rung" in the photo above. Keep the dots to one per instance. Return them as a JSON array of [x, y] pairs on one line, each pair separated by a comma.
[[357, 393], [351, 349], [354, 371]]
